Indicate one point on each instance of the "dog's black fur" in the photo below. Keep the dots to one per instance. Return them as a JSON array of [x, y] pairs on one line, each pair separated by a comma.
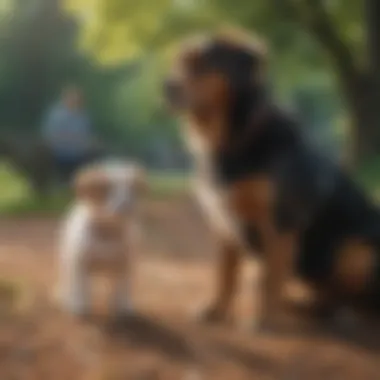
[[313, 195]]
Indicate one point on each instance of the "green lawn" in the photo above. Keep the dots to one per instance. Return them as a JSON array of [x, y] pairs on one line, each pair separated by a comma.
[[17, 199]]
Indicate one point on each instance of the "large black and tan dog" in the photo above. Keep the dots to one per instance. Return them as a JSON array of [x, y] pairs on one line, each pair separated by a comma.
[[264, 185]]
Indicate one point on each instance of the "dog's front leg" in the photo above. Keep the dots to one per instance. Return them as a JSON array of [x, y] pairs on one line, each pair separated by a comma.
[[279, 253], [74, 284], [121, 304], [216, 211], [253, 202], [227, 279], [120, 300]]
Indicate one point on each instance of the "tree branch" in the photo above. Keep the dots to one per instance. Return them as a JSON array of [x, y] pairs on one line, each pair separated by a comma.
[[313, 15]]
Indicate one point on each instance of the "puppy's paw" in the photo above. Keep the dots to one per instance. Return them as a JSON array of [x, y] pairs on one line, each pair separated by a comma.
[[73, 305]]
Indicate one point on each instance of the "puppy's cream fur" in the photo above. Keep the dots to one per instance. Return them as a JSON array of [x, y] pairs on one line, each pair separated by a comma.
[[98, 235]]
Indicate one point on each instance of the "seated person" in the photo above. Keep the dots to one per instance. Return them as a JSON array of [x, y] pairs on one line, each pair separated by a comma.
[[67, 133]]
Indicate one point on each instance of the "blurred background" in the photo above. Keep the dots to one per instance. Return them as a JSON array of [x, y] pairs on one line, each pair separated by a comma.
[[114, 53], [80, 80]]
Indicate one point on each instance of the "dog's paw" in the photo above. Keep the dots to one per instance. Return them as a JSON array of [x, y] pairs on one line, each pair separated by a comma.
[[263, 325], [214, 315], [77, 310], [249, 325], [345, 320], [122, 308]]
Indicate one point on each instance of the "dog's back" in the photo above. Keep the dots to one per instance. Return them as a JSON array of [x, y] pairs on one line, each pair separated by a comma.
[[339, 225], [344, 233]]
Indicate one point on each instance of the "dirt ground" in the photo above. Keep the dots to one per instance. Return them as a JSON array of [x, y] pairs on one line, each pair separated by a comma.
[[173, 279]]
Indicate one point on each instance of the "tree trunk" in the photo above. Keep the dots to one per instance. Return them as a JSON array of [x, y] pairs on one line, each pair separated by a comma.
[[364, 134], [360, 85], [363, 91], [371, 132]]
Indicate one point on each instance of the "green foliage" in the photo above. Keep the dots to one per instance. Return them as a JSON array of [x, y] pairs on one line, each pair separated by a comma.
[[119, 28], [17, 199], [39, 55], [117, 50], [296, 58], [36, 55]]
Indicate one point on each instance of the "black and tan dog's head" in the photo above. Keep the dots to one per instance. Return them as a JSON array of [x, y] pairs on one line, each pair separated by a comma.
[[211, 74]]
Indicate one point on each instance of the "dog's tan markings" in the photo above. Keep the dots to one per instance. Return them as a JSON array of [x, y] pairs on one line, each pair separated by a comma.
[[253, 201], [215, 86], [279, 251], [227, 279], [354, 266], [211, 90], [210, 128]]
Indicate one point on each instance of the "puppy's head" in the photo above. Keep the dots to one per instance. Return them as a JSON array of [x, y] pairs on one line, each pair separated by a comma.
[[210, 74], [114, 188]]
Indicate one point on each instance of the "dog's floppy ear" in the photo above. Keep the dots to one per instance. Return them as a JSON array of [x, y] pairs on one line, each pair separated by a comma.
[[252, 45]]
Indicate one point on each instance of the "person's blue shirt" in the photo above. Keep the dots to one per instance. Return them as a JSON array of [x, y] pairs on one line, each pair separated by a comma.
[[67, 131]]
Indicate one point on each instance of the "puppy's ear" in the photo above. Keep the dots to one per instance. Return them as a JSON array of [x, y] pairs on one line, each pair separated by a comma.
[[89, 184]]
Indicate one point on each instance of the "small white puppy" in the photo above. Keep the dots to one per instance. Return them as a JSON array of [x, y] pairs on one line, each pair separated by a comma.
[[98, 235]]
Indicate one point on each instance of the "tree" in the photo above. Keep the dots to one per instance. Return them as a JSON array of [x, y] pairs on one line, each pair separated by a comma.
[[357, 67], [37, 55], [346, 30]]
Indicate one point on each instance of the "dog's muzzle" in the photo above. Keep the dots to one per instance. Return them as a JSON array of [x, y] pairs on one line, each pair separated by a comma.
[[174, 93]]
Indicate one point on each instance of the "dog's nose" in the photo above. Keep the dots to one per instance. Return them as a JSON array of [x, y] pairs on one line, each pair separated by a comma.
[[173, 91]]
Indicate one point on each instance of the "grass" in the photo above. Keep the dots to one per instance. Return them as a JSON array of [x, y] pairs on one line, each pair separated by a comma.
[[167, 184], [17, 199]]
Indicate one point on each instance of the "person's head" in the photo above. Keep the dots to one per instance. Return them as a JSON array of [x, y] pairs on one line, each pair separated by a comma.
[[72, 97]]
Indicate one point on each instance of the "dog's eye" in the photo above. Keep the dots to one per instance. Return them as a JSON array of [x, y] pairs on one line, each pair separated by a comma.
[[199, 68]]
